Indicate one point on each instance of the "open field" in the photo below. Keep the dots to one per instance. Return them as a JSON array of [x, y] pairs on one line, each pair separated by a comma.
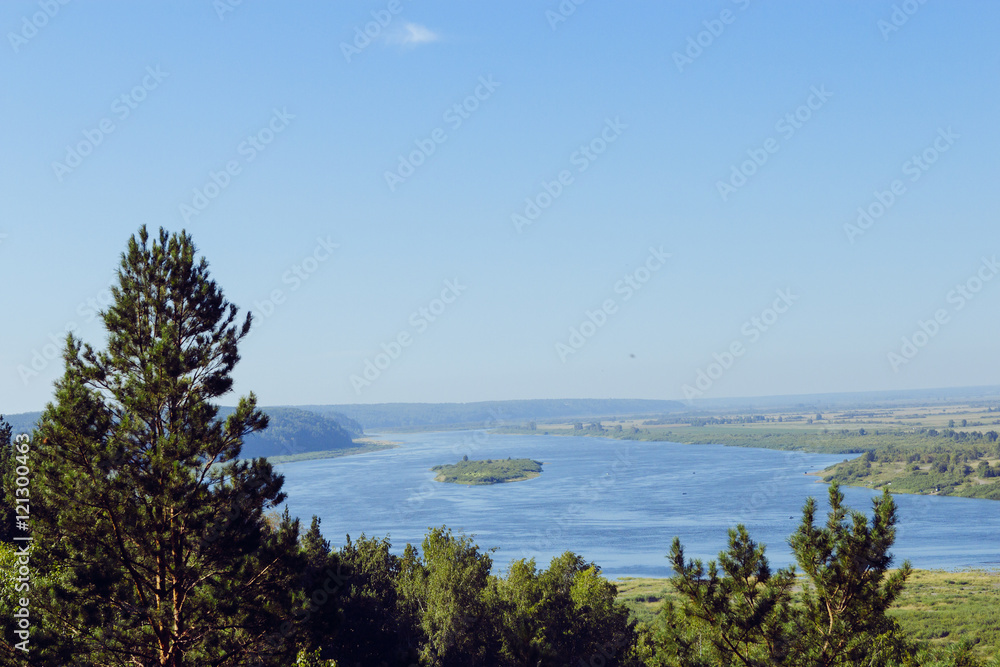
[[936, 607]]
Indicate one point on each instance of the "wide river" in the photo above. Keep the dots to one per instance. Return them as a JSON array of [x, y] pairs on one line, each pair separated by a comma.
[[614, 502]]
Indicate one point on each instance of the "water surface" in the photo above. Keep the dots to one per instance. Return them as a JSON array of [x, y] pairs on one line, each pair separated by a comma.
[[615, 502]]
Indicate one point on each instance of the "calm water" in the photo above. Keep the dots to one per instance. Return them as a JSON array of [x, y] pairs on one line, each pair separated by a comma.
[[614, 502]]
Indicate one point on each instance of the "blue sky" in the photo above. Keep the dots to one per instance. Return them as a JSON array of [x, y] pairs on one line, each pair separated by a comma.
[[739, 138]]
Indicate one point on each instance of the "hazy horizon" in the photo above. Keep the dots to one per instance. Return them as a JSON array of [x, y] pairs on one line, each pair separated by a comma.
[[920, 395]]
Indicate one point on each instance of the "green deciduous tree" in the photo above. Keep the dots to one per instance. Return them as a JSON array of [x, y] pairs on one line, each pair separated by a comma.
[[562, 615], [158, 530], [446, 587]]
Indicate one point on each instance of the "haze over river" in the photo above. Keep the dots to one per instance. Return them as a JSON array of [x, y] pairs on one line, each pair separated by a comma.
[[615, 502]]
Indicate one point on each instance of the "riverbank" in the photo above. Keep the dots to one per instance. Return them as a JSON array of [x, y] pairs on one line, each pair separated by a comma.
[[918, 461], [362, 446], [936, 606]]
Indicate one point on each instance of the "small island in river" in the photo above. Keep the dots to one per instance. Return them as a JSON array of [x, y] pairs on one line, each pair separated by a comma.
[[490, 471]]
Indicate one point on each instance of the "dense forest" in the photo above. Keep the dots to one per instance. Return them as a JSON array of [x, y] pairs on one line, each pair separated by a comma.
[[155, 541], [293, 431]]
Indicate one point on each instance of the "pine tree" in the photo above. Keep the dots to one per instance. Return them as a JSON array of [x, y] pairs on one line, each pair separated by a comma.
[[737, 617], [748, 616], [315, 547], [849, 586], [156, 544]]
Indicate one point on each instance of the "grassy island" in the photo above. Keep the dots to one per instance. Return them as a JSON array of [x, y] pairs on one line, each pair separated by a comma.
[[490, 471]]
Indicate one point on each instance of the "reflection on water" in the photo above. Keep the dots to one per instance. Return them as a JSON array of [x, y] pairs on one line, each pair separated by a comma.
[[615, 502]]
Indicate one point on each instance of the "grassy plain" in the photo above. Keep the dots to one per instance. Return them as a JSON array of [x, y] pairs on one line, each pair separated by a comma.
[[936, 607]]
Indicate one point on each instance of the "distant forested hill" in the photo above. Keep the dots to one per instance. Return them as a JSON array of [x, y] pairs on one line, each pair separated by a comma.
[[410, 415], [291, 431], [22, 423], [294, 431]]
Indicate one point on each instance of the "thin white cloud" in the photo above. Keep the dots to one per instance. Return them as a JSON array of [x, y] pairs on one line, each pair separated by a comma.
[[418, 34]]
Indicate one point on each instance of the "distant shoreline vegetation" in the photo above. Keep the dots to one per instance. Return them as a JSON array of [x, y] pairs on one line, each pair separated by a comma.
[[489, 471], [916, 460], [361, 447]]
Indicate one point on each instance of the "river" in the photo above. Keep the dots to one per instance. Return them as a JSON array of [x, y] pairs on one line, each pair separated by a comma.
[[615, 502]]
